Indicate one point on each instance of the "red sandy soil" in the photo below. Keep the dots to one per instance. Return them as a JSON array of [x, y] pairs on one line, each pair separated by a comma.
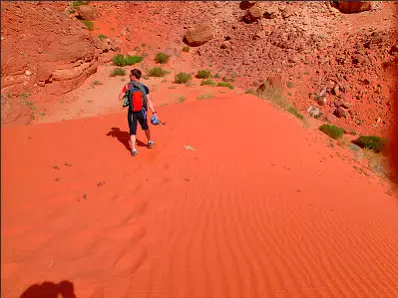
[[247, 214]]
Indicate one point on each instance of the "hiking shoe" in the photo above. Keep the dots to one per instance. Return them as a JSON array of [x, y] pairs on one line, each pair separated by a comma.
[[150, 144], [134, 152]]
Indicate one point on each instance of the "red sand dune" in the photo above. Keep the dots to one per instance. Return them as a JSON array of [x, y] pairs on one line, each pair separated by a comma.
[[261, 208]]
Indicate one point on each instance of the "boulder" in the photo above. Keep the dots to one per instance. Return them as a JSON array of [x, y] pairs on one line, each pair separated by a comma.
[[253, 14], [287, 12], [314, 112], [354, 6], [271, 12], [339, 113], [87, 13], [199, 35]]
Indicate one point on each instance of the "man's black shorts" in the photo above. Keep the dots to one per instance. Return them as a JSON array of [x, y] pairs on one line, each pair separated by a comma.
[[133, 117]]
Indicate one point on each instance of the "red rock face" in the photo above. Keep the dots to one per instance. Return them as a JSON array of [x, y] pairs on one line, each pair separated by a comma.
[[39, 38]]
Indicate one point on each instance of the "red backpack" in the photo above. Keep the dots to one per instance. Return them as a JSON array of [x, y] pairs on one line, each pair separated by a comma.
[[137, 97]]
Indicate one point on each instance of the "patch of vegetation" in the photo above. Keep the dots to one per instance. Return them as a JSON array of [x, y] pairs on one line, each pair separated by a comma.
[[102, 36], [185, 49], [225, 84], [143, 45], [118, 72], [78, 3], [89, 25], [72, 11], [121, 60], [205, 96], [182, 78], [162, 58], [203, 74], [217, 75], [228, 80], [294, 112], [180, 99], [332, 131], [290, 84], [208, 82], [374, 143], [97, 83], [251, 91], [157, 72]]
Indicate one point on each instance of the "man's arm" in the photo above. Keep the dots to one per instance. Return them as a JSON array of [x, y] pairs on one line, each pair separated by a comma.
[[150, 104], [121, 95]]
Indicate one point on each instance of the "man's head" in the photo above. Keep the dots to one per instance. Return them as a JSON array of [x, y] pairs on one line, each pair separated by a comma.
[[135, 74]]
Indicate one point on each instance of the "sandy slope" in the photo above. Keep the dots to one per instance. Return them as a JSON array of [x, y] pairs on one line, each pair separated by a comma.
[[247, 214]]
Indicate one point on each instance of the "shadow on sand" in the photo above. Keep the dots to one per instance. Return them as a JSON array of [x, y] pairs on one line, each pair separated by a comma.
[[123, 137], [50, 290]]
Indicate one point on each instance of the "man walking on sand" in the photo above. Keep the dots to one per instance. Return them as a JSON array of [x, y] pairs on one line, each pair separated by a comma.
[[138, 102]]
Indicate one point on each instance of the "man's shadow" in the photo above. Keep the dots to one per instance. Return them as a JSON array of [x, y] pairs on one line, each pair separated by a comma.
[[50, 290], [123, 137]]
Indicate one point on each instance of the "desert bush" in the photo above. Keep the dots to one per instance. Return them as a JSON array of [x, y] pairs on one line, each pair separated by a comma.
[[294, 112], [290, 84], [89, 25], [332, 131], [185, 49], [162, 58], [157, 72], [182, 78], [208, 82], [225, 84], [118, 72], [102, 36], [78, 3], [203, 74], [375, 143], [120, 60]]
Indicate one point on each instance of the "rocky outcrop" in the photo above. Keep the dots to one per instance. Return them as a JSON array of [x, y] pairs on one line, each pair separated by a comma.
[[199, 35], [354, 6], [87, 13], [57, 51]]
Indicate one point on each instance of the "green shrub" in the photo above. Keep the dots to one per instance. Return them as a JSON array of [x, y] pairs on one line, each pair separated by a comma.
[[203, 74], [182, 78], [157, 72], [294, 112], [375, 143], [251, 91], [180, 99], [72, 11], [89, 25], [96, 82], [162, 58], [118, 72], [225, 84], [120, 60], [185, 49], [290, 84], [102, 36], [78, 3], [205, 96], [332, 131], [208, 82]]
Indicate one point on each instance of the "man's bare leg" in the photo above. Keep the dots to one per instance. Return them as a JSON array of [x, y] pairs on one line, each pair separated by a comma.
[[133, 140], [148, 136]]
